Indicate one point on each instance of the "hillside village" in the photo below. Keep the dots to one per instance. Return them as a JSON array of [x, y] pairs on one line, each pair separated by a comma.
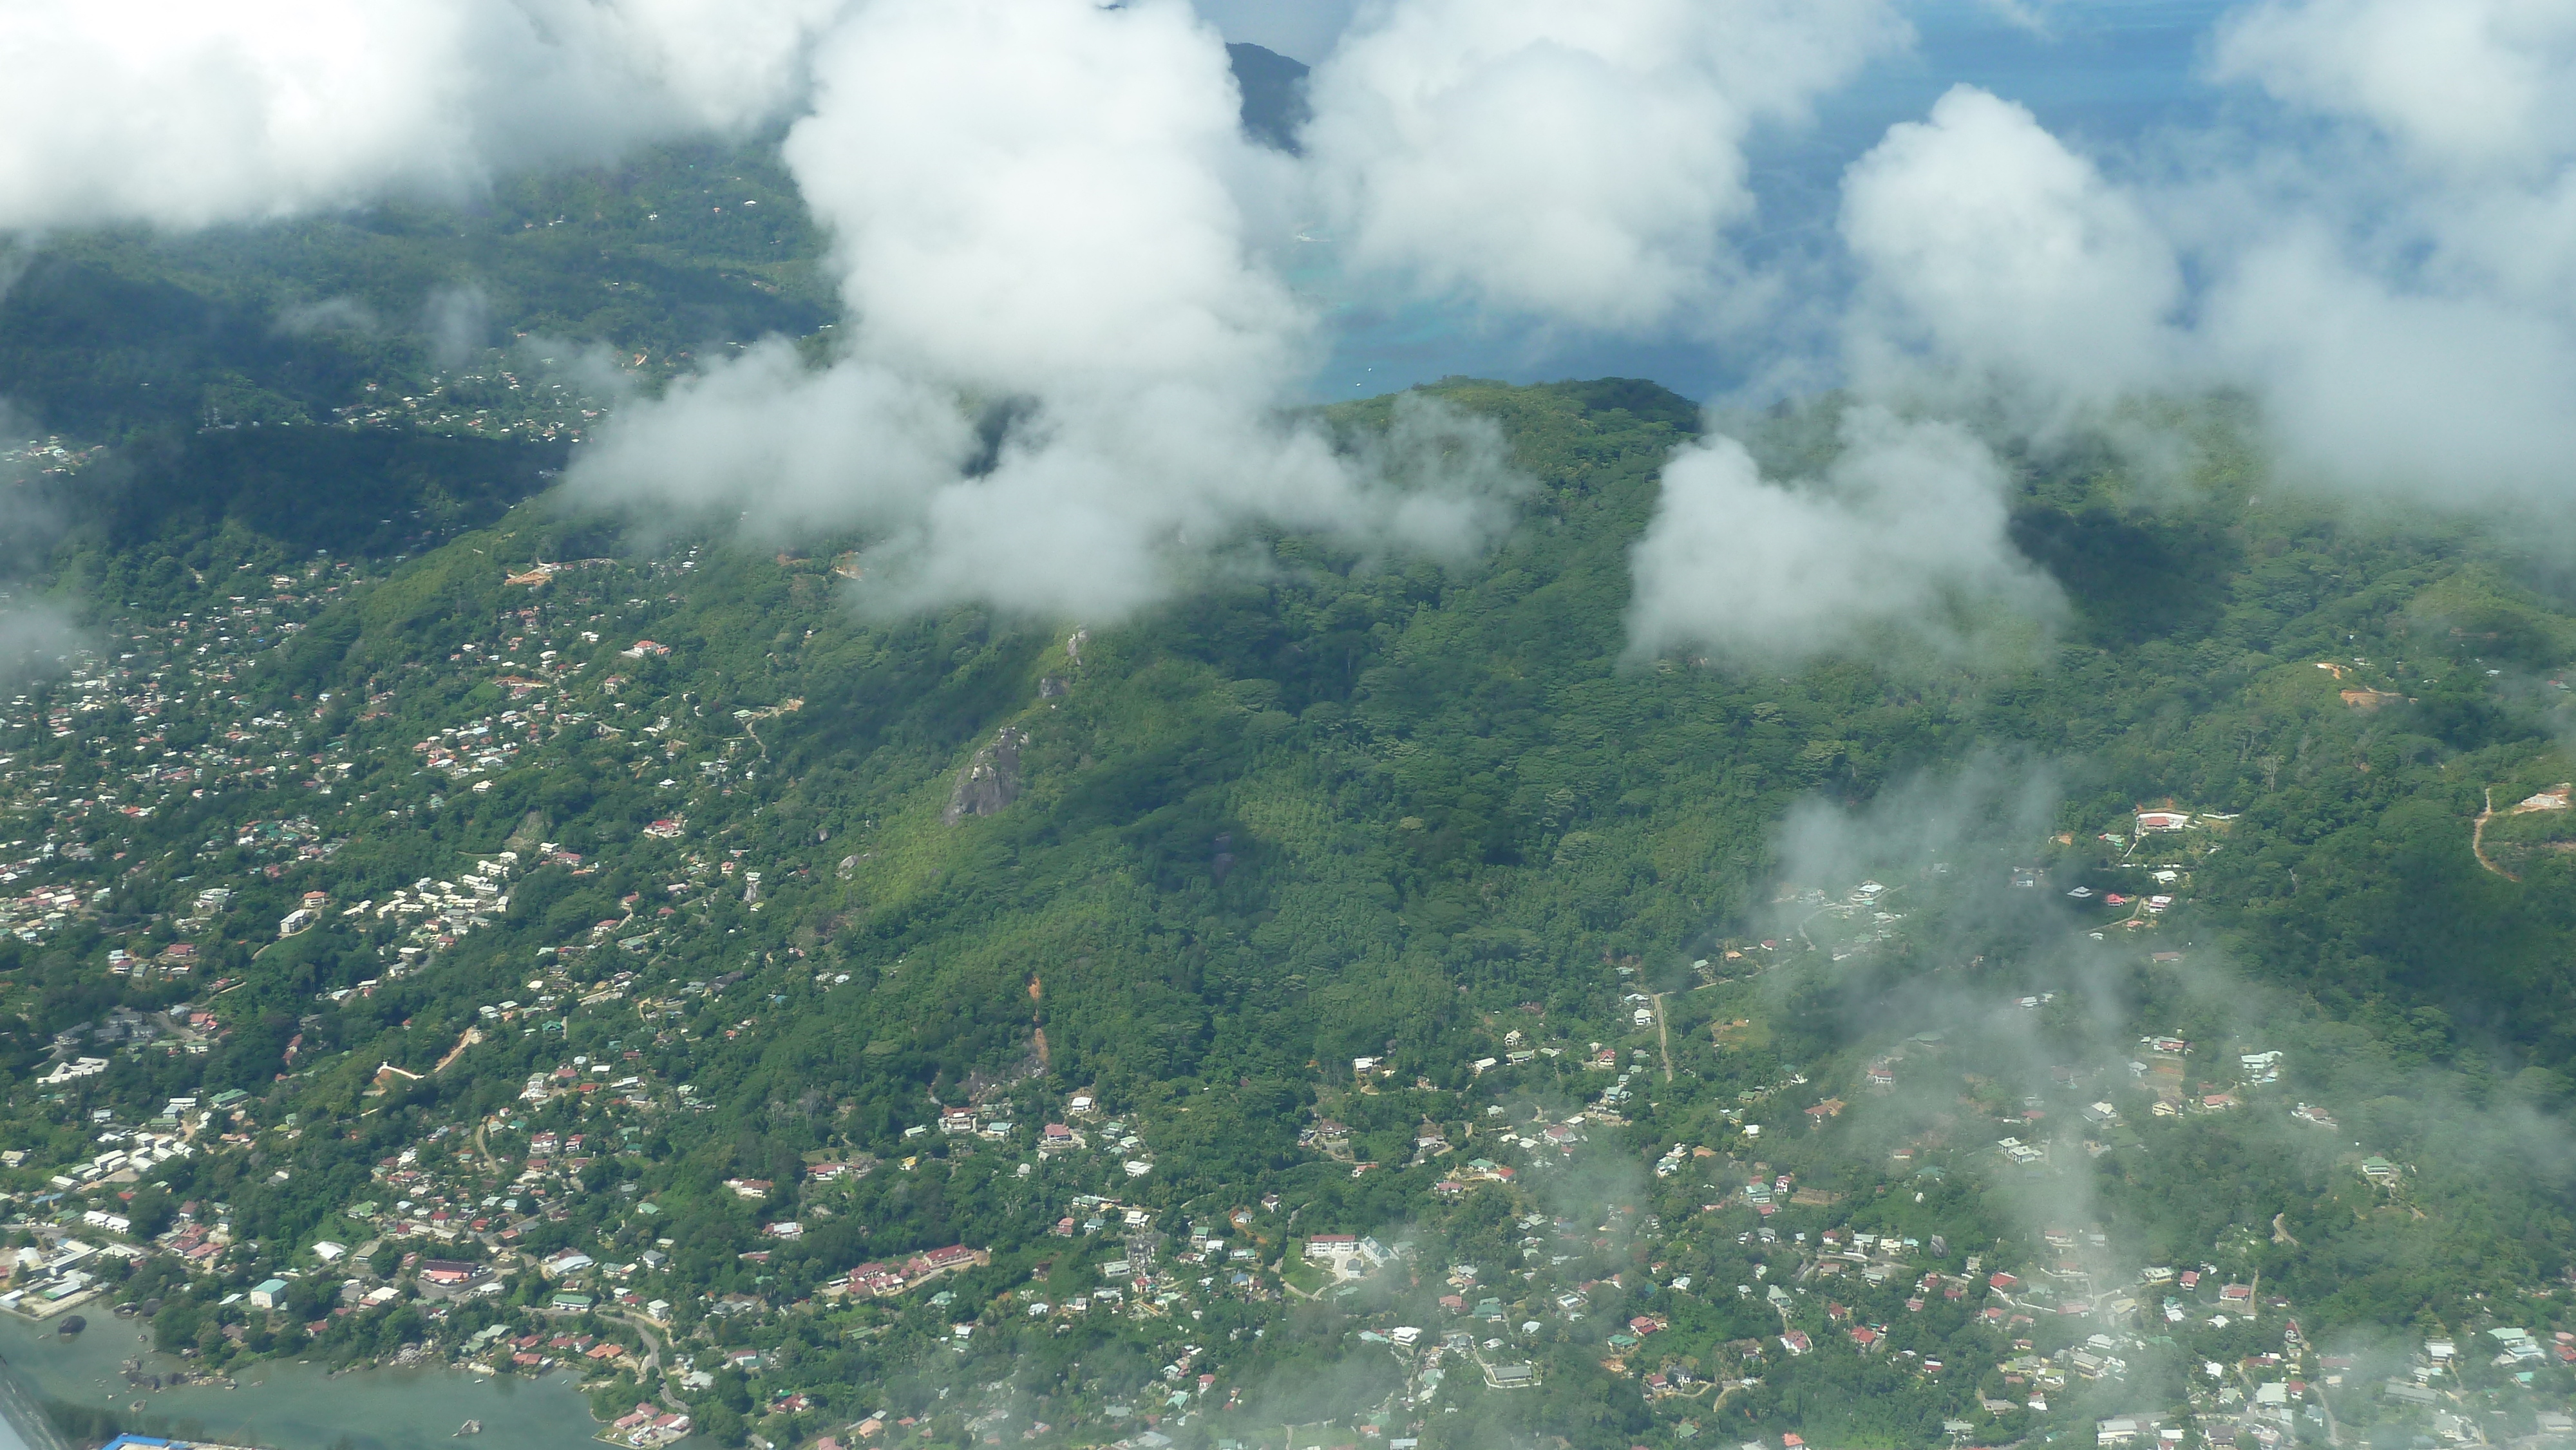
[[521, 1232]]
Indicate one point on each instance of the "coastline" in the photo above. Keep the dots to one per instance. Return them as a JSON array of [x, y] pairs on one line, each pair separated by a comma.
[[279, 1404]]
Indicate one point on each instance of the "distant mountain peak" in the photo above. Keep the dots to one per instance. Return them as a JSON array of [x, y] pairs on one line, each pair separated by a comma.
[[1274, 94]]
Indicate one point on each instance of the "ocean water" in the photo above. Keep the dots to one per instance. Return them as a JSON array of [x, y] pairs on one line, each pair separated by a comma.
[[283, 1405], [2108, 76]]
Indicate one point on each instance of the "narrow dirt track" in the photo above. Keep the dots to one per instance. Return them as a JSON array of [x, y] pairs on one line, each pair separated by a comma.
[[2478, 839]]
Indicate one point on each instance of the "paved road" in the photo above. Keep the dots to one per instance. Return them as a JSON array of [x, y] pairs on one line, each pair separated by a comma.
[[653, 1357]]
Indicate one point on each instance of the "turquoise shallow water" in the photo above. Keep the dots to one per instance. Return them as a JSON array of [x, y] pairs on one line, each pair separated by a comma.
[[287, 1406]]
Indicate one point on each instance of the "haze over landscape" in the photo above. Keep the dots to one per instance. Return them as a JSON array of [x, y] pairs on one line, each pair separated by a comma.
[[1371, 723]]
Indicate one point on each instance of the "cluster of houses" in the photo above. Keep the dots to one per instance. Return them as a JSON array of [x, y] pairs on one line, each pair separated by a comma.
[[44, 910], [544, 412], [451, 908], [649, 1426], [1055, 1140], [132, 700], [1096, 1211], [126, 1153], [1348, 1256], [47, 1278], [880, 1280]]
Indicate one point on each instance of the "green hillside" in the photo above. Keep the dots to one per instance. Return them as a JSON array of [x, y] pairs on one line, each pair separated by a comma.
[[1720, 924]]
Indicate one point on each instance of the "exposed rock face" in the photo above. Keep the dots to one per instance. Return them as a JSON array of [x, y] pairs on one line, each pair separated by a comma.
[[990, 781]]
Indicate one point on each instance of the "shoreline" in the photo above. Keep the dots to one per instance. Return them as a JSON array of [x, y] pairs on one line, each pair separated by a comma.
[[282, 1403], [52, 1307]]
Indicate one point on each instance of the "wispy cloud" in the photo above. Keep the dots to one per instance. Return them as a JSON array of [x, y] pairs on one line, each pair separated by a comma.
[[1055, 250], [1897, 545], [37, 637], [1582, 164], [124, 110]]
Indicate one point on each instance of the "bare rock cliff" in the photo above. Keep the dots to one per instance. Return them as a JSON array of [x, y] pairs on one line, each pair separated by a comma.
[[990, 781]]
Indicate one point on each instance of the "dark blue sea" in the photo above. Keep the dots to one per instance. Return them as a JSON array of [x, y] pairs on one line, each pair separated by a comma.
[[2114, 78]]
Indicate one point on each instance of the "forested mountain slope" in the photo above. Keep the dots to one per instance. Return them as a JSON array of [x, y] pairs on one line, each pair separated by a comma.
[[1192, 866]]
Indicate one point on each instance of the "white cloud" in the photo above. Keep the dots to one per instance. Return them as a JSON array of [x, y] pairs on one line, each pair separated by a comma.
[[2397, 285], [34, 632], [26, 519], [181, 115], [1110, 510], [1579, 163], [1899, 543], [786, 446], [36, 637], [458, 320], [1995, 261], [1045, 213], [1057, 211], [2404, 296], [2480, 83], [2456, 397], [331, 314], [2028, 15], [1057, 236]]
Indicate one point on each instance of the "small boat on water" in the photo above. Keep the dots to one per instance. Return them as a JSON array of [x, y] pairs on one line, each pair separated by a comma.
[[470, 1427], [71, 1326]]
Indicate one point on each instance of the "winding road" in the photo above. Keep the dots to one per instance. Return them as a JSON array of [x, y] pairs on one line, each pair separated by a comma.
[[648, 1371]]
